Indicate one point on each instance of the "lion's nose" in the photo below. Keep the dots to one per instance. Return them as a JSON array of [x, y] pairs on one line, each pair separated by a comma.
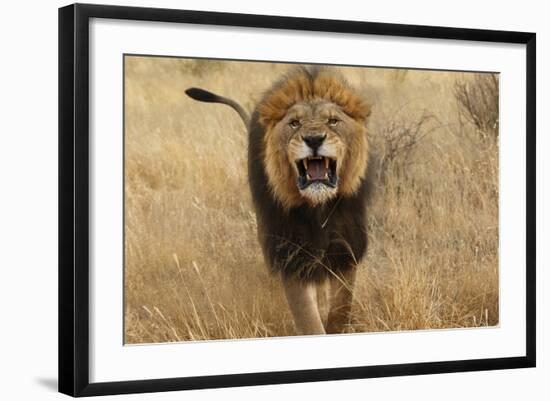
[[314, 141]]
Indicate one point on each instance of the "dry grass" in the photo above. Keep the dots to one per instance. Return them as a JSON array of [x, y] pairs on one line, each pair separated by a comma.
[[194, 269]]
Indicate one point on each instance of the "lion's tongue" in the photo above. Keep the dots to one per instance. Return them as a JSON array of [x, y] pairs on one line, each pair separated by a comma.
[[316, 169]]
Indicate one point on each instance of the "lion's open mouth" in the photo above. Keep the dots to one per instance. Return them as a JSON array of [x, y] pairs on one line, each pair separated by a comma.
[[316, 169]]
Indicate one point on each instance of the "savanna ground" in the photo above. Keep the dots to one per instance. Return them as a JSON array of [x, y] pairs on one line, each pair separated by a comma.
[[194, 269]]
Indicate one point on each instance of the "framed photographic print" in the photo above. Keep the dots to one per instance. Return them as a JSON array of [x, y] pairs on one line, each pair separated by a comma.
[[249, 199]]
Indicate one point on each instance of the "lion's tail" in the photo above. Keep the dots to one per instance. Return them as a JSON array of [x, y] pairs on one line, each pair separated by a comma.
[[204, 96]]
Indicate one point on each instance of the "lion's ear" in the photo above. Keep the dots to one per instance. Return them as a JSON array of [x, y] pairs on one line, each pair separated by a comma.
[[358, 109], [352, 103], [367, 110]]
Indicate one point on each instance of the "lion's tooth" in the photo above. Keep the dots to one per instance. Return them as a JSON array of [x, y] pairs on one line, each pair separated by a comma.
[[326, 162], [305, 163], [326, 176], [308, 176]]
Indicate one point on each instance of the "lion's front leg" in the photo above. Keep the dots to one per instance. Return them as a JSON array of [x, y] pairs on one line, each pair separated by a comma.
[[341, 296], [302, 301], [323, 294]]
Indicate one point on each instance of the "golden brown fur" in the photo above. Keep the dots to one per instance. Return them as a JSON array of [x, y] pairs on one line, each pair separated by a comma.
[[306, 88]]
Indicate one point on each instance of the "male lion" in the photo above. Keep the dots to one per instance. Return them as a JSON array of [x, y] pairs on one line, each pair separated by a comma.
[[307, 169]]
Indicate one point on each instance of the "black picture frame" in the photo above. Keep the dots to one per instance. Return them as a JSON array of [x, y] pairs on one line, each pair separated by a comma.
[[74, 198]]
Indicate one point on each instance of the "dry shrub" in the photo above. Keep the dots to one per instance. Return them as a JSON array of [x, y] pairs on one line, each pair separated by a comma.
[[395, 143], [477, 97]]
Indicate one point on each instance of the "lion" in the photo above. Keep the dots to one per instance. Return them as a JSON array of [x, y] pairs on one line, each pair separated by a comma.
[[307, 169]]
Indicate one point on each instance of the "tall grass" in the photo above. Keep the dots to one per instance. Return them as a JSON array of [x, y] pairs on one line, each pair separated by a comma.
[[194, 269]]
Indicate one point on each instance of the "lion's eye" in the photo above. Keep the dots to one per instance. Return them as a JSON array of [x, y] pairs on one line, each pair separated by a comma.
[[294, 123], [333, 121]]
